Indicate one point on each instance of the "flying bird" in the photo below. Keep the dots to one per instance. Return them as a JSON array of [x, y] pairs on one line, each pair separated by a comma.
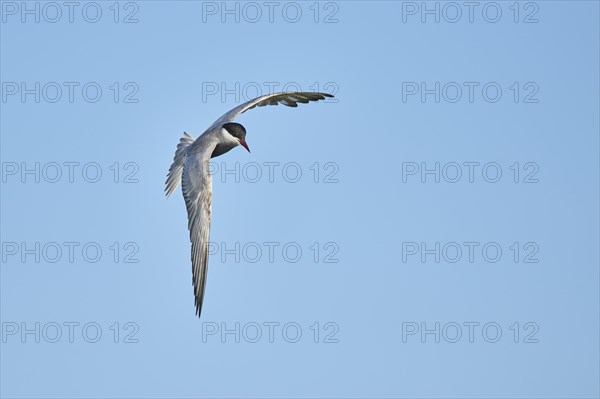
[[191, 168]]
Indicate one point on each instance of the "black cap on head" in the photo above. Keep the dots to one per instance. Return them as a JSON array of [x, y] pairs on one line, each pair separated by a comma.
[[236, 130]]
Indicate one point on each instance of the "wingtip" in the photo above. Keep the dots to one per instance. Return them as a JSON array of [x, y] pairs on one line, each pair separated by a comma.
[[323, 96]]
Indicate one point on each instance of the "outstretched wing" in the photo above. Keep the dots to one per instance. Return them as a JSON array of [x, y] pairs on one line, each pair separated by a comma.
[[291, 99], [196, 184], [174, 176]]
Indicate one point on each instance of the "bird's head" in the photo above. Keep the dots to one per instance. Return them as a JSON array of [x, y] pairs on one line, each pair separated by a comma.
[[238, 132]]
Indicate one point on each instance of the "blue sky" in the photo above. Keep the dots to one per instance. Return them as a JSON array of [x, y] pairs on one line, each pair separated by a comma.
[[432, 232]]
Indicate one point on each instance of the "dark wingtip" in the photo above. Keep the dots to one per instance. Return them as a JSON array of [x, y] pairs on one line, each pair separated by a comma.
[[321, 96]]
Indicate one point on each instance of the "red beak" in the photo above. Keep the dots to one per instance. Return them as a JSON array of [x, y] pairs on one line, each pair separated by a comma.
[[244, 144]]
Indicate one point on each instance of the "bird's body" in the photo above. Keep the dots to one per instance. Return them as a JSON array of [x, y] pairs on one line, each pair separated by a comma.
[[191, 168]]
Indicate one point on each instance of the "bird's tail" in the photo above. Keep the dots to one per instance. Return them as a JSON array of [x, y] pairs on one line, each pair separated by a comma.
[[174, 175]]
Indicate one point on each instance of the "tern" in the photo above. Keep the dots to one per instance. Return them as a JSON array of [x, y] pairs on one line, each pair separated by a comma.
[[191, 168]]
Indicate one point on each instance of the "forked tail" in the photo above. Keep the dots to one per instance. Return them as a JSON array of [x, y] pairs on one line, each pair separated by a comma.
[[174, 176]]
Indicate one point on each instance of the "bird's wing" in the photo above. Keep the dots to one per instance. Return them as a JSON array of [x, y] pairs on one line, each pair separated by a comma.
[[174, 176], [196, 184], [291, 99]]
